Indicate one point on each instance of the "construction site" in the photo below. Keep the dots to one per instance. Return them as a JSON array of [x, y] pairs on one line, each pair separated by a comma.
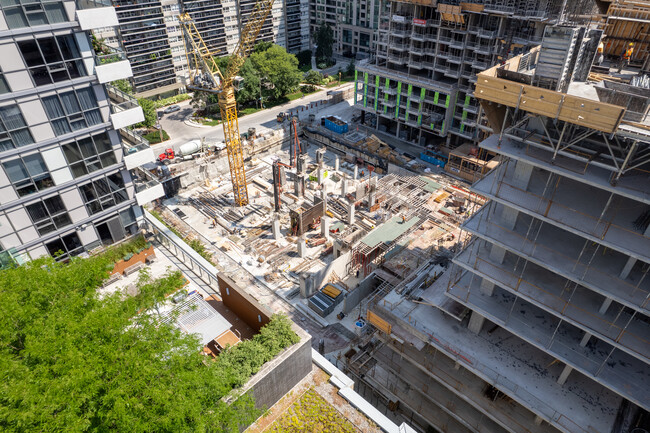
[[516, 304]]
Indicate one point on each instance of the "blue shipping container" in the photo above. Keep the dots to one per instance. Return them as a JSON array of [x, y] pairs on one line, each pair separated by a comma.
[[338, 128]]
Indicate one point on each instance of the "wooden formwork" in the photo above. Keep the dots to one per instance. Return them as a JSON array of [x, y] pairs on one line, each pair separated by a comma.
[[628, 21]]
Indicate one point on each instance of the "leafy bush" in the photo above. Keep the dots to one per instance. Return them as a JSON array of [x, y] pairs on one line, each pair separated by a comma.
[[154, 136], [304, 58], [171, 100], [308, 89], [313, 77]]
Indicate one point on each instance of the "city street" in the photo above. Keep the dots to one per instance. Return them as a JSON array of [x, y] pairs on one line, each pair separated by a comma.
[[180, 133]]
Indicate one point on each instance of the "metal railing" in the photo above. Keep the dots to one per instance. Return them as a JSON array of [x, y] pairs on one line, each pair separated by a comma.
[[120, 101], [109, 55], [143, 180]]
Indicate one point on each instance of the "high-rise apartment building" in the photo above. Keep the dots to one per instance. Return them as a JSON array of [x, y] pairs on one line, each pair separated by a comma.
[[419, 80], [541, 324], [65, 183], [150, 34], [354, 23]]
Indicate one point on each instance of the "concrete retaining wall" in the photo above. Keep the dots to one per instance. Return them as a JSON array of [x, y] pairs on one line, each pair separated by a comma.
[[282, 373], [362, 291]]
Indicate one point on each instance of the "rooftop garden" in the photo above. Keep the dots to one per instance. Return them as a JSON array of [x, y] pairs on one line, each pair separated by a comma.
[[74, 361]]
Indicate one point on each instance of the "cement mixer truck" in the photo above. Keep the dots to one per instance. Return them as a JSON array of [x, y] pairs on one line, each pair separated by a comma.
[[188, 150]]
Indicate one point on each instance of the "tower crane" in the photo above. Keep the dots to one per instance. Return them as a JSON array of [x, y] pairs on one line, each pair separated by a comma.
[[206, 76]]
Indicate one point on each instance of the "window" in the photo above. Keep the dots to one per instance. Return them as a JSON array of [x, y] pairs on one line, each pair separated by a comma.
[[52, 59], [49, 215], [65, 247], [28, 174], [4, 86], [13, 128], [33, 13], [71, 111], [104, 193], [89, 154]]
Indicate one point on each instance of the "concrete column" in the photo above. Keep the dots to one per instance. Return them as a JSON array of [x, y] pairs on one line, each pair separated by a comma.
[[323, 194], [325, 227], [344, 187], [302, 247], [277, 234], [509, 217], [497, 254], [631, 261], [522, 174], [487, 287], [538, 420], [565, 374], [299, 185], [321, 174], [351, 210], [475, 322], [372, 197], [606, 303], [585, 339], [355, 173], [337, 163]]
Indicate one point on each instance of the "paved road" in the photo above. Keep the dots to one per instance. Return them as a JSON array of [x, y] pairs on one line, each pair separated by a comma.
[[180, 132]]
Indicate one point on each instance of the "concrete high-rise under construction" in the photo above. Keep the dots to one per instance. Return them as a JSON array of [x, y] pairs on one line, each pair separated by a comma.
[[418, 83], [541, 323]]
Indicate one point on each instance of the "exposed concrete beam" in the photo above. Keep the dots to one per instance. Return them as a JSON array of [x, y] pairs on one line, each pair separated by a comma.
[[564, 375], [475, 322]]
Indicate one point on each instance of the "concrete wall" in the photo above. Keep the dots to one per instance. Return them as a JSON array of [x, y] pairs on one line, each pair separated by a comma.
[[362, 291], [248, 309], [282, 373], [311, 282]]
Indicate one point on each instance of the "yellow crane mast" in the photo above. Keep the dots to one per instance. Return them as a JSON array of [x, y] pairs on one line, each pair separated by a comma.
[[205, 76]]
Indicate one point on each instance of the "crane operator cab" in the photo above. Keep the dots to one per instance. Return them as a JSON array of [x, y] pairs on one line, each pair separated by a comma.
[[238, 82]]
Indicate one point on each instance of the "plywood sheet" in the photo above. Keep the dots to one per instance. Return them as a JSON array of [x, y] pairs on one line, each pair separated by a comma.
[[379, 323], [580, 111]]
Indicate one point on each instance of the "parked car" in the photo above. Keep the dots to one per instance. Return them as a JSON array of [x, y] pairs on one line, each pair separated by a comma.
[[172, 108]]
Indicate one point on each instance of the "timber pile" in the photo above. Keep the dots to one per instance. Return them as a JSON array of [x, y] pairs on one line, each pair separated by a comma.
[[598, 77], [628, 21]]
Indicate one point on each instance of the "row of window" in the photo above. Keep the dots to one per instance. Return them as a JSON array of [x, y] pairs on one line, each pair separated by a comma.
[[19, 14], [29, 174], [68, 111], [52, 59]]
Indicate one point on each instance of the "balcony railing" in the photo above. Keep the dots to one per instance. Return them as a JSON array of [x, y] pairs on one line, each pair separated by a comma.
[[91, 4]]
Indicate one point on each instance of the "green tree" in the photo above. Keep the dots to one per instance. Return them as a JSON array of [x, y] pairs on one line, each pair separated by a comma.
[[262, 46], [324, 39], [304, 58], [74, 361], [149, 110], [123, 85], [313, 77], [279, 69], [349, 71]]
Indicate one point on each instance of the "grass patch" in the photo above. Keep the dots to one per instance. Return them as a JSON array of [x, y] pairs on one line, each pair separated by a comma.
[[195, 244], [248, 110], [211, 122], [154, 136], [294, 96], [311, 413]]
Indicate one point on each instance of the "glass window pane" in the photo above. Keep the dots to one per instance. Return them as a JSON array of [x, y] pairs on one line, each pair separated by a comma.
[[55, 12], [37, 212], [108, 159], [94, 207], [31, 53], [12, 117], [41, 76], [4, 86], [61, 221], [71, 242], [15, 18], [55, 247], [68, 47], [43, 182], [16, 170], [116, 181], [61, 126], [22, 137], [50, 50], [79, 169], [35, 164], [102, 142], [101, 186], [71, 152], [87, 98], [70, 104], [88, 192], [93, 117], [54, 205], [53, 107], [87, 147], [75, 68]]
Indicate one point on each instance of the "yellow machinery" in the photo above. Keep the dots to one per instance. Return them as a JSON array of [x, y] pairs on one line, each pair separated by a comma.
[[205, 76]]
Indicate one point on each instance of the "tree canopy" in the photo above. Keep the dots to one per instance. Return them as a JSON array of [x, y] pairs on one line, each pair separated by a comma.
[[74, 361], [313, 77], [324, 39], [149, 110], [278, 69]]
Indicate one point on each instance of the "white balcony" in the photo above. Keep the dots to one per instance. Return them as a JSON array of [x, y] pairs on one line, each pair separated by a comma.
[[147, 189], [137, 156], [126, 114], [96, 14]]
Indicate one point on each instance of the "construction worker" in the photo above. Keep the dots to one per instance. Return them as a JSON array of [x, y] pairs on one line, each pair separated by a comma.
[[600, 53], [625, 57]]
